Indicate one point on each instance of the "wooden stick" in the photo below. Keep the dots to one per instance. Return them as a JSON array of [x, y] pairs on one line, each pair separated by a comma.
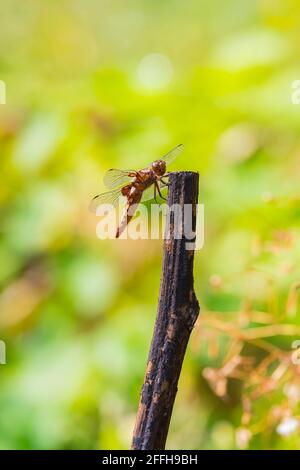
[[178, 310]]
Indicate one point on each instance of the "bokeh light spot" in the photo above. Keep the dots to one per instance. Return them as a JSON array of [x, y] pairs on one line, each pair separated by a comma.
[[154, 72]]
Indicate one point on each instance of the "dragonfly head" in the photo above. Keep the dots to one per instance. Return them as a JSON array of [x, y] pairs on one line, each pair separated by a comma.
[[159, 167]]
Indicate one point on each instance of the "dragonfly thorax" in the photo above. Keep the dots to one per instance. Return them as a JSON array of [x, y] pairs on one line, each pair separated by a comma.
[[159, 167]]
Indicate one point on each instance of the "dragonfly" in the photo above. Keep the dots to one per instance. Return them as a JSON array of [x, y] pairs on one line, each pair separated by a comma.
[[135, 186]]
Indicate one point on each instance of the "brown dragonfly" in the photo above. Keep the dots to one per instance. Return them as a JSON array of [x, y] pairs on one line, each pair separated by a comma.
[[136, 186]]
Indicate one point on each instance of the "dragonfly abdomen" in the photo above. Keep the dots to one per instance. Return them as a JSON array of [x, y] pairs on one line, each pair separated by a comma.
[[133, 198]]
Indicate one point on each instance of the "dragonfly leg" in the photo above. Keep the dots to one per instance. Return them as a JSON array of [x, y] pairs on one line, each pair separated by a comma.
[[159, 192], [155, 190], [165, 183]]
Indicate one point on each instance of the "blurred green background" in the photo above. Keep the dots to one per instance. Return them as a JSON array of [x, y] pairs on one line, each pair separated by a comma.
[[96, 84]]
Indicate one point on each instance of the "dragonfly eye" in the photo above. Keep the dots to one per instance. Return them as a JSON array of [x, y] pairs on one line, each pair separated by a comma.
[[159, 167]]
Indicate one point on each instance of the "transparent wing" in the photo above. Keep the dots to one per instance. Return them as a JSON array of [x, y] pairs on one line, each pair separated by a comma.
[[110, 197], [114, 178], [170, 156]]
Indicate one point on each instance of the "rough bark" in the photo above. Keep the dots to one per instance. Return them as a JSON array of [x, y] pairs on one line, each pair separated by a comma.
[[178, 309]]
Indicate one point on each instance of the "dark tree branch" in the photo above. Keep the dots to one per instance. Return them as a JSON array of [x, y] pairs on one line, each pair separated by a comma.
[[177, 312]]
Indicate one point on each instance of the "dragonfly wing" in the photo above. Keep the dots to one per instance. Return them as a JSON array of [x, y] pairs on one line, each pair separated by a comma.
[[170, 156], [110, 197], [115, 178]]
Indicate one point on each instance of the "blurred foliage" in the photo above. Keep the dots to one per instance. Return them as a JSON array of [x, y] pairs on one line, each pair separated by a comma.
[[95, 84]]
